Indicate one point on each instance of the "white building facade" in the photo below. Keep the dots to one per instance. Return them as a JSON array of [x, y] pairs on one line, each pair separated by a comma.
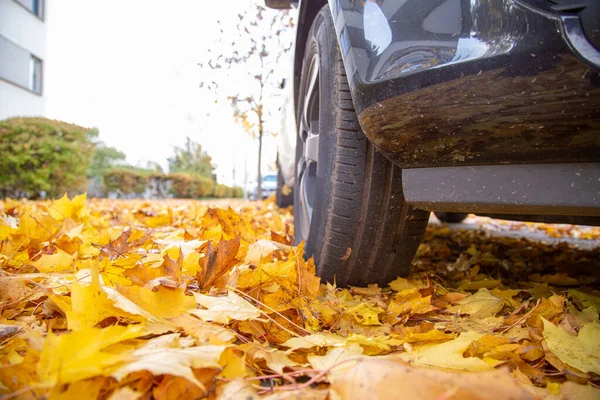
[[23, 32]]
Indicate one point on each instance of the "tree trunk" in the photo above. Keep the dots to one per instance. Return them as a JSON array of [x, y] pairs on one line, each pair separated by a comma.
[[259, 177]]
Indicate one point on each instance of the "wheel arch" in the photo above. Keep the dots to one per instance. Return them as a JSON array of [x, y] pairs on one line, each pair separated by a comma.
[[307, 12]]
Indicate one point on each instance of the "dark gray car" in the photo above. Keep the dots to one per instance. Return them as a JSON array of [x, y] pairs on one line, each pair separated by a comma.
[[405, 107]]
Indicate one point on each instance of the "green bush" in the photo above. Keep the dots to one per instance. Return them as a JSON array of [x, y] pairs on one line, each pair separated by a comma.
[[221, 191], [186, 186], [124, 181], [237, 192], [40, 157]]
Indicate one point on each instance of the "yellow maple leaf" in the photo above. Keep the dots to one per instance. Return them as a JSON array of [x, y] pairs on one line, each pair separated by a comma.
[[315, 340], [410, 301], [88, 305], [365, 314], [38, 227], [68, 208], [233, 362], [222, 309], [428, 337], [481, 305], [581, 351], [82, 354], [163, 303], [400, 284], [57, 262], [448, 355]]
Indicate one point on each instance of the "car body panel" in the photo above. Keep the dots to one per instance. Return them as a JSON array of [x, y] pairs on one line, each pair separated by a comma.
[[458, 82], [452, 85], [286, 138]]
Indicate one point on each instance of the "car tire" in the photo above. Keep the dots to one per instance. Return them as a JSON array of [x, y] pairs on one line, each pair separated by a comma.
[[348, 201], [282, 199], [451, 217]]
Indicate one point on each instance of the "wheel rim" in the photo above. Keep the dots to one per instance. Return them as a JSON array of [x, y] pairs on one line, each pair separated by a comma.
[[309, 140]]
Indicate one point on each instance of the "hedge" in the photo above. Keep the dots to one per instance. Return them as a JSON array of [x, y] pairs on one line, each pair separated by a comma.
[[188, 186], [125, 182], [40, 157]]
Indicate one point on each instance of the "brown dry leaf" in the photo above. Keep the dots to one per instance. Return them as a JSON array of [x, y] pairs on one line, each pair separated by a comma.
[[217, 261], [385, 379], [122, 245], [560, 279]]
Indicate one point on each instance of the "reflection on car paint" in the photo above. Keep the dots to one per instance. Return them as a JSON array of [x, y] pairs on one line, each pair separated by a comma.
[[497, 116], [470, 82], [377, 30]]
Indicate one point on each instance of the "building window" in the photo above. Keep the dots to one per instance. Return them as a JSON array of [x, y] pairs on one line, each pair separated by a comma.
[[35, 74], [34, 6], [19, 67]]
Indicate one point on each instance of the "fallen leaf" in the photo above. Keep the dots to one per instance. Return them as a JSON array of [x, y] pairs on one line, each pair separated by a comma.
[[158, 357], [316, 340], [480, 305], [581, 351], [336, 358], [264, 248], [217, 261], [560, 279], [448, 355], [57, 262], [163, 303], [203, 332], [237, 389], [388, 379], [365, 314], [275, 359], [400, 284], [83, 354], [222, 309]]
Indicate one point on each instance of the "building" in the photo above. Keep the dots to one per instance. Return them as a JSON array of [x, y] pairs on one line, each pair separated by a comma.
[[22, 53]]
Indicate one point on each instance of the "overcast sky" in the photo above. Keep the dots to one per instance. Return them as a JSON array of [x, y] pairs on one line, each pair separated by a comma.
[[130, 69]]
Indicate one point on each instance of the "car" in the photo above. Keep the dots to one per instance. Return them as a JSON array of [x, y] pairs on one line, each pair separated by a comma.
[[407, 107], [268, 187]]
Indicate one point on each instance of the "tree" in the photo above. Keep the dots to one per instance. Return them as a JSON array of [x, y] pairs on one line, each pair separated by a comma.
[[252, 57], [192, 159], [105, 158]]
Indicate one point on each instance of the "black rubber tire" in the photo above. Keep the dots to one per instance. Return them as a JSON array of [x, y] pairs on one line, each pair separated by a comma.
[[362, 231], [451, 217], [282, 200]]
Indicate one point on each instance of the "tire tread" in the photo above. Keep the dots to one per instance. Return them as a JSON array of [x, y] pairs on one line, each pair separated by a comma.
[[382, 232]]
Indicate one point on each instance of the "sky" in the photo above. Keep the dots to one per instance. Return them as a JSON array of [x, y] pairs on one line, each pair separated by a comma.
[[130, 68]]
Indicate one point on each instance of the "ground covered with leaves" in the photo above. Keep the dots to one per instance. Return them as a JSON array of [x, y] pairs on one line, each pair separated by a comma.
[[184, 300]]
